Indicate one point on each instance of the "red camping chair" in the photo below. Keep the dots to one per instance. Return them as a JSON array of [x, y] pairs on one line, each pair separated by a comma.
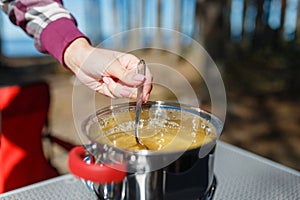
[[23, 114]]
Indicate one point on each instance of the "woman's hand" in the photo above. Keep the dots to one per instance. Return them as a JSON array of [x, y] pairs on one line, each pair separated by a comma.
[[111, 73]]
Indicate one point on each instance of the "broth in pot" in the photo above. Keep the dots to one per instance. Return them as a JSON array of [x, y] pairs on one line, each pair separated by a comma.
[[168, 130]]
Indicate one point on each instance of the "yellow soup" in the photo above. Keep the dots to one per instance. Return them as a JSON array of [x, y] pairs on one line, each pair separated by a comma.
[[171, 131]]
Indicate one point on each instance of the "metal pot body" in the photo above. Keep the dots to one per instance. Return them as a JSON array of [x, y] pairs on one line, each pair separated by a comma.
[[149, 174], [187, 178]]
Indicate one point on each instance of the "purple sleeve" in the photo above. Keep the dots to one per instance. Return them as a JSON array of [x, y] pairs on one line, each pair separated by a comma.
[[48, 22], [57, 36]]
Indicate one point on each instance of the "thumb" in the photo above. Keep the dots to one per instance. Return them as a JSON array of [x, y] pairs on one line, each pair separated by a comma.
[[126, 75]]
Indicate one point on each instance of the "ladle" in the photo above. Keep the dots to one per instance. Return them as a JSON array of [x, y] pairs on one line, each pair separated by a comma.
[[141, 69]]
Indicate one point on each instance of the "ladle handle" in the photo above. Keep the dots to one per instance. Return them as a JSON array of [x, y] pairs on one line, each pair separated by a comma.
[[95, 172]]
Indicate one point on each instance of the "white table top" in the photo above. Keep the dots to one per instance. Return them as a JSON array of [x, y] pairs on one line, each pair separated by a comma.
[[240, 175]]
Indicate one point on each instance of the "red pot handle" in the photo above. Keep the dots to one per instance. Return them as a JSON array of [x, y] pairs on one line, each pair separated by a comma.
[[99, 173]]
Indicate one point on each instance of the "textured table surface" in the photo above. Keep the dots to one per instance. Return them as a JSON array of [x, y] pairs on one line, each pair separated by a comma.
[[241, 175]]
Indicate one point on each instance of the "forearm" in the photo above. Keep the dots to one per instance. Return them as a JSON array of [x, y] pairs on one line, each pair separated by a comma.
[[76, 53]]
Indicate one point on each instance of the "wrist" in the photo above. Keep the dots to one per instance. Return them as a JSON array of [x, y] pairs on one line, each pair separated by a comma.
[[76, 53]]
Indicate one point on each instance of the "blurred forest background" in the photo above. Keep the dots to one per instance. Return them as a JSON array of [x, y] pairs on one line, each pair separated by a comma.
[[254, 43], [257, 43]]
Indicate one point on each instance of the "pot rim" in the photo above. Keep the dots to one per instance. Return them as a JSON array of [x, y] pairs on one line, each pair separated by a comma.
[[215, 121]]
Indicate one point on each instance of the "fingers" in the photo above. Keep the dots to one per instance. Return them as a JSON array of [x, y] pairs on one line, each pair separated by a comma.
[[117, 89], [128, 80], [97, 86], [114, 74], [109, 87], [125, 72], [129, 61]]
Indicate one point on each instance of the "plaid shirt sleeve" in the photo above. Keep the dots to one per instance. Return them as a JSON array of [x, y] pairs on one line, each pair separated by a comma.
[[48, 22]]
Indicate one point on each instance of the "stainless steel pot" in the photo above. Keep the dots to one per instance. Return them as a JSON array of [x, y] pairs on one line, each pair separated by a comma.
[[117, 173]]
